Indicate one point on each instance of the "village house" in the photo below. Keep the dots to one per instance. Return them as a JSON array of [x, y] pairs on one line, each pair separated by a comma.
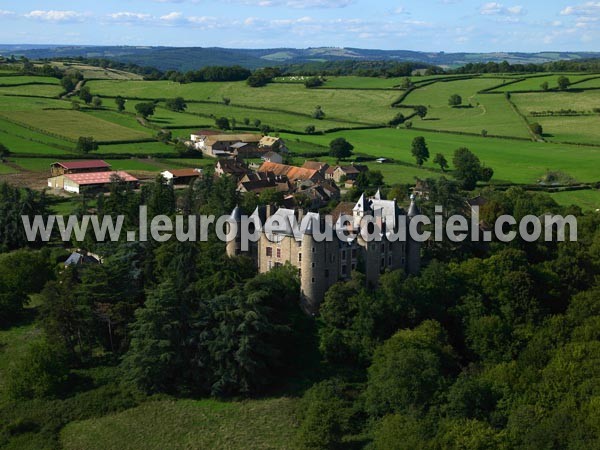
[[316, 165], [181, 176], [339, 173], [227, 145], [272, 143], [273, 157], [261, 181], [231, 167], [293, 173]]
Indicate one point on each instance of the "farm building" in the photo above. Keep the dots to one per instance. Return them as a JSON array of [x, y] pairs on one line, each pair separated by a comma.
[[226, 145], [293, 173], [181, 176], [75, 182], [273, 157], [94, 165]]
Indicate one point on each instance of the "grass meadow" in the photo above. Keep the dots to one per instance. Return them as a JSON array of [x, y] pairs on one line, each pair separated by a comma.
[[361, 107], [72, 124], [490, 112], [535, 83], [588, 200], [37, 90], [185, 424], [512, 160]]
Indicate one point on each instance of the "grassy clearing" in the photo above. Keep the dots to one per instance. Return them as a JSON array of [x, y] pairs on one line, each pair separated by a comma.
[[535, 83], [137, 148], [13, 342], [72, 124], [514, 161], [28, 79], [369, 107], [185, 424], [489, 112], [579, 129], [587, 200], [39, 90], [191, 163]]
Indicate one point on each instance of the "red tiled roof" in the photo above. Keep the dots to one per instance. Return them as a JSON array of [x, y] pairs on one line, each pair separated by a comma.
[[87, 164], [292, 172], [206, 133], [97, 177]]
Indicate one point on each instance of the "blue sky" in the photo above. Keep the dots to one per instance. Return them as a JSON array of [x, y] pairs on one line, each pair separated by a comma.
[[436, 25]]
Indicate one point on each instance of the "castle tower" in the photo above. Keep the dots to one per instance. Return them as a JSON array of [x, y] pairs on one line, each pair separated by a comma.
[[413, 248], [234, 246], [319, 264]]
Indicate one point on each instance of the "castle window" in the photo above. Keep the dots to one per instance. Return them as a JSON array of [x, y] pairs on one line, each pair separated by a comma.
[[277, 264], [344, 269], [382, 248], [312, 265], [353, 253], [313, 279], [269, 251], [314, 249], [326, 273], [344, 255], [390, 260], [353, 266], [299, 273], [299, 257], [279, 253]]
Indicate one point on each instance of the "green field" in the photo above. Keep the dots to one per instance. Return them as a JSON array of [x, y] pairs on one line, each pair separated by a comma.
[[490, 112], [4, 169], [25, 79], [593, 84], [72, 124], [588, 200], [9, 103], [136, 148], [186, 424], [38, 90], [535, 83], [34, 164], [579, 129], [362, 82], [512, 160], [275, 119], [338, 104], [23, 140]]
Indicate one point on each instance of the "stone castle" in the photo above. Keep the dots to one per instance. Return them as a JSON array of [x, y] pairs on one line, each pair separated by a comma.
[[322, 264]]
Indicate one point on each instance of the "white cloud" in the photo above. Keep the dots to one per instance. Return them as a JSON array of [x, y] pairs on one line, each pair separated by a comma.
[[301, 4], [498, 9], [128, 17], [585, 9], [56, 16], [5, 13], [400, 10]]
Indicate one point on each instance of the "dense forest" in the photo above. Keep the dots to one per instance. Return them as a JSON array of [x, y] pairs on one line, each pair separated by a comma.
[[491, 346]]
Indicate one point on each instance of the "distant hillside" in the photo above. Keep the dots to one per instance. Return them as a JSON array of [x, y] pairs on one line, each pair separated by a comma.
[[188, 58]]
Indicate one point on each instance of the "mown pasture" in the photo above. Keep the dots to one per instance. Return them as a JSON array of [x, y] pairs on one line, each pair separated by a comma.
[[478, 112], [353, 106], [73, 124]]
